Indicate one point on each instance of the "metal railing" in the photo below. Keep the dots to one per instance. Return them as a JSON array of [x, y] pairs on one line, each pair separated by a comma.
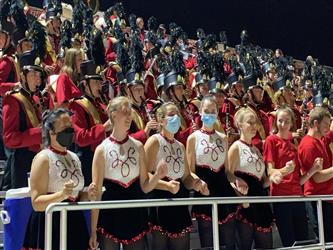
[[214, 202]]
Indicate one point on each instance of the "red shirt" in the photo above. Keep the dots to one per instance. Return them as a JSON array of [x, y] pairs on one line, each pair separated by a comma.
[[280, 151], [66, 89], [308, 150], [328, 141]]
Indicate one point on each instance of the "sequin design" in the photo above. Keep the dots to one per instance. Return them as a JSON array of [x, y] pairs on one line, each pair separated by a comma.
[[175, 161], [210, 150], [62, 169], [121, 167], [251, 160]]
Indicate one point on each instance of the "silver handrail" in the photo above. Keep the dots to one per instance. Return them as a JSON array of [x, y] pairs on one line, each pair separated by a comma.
[[63, 207]]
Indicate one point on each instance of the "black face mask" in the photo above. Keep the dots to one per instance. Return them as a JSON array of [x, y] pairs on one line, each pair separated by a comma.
[[65, 137]]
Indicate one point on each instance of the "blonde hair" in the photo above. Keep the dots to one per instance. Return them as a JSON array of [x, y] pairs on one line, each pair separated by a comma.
[[241, 114], [209, 99], [292, 117], [69, 66], [115, 104], [162, 111]]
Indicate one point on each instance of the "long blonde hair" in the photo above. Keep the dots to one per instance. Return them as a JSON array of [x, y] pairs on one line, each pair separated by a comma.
[[69, 66], [240, 116]]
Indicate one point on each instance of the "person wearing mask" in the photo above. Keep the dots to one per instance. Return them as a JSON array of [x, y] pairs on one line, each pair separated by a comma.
[[171, 225], [207, 155], [56, 176]]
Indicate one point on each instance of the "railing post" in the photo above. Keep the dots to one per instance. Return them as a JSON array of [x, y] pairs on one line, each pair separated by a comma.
[[215, 224], [63, 229], [48, 229], [320, 223]]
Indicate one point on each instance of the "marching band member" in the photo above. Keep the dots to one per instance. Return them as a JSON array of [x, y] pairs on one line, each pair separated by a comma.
[[21, 123], [90, 121]]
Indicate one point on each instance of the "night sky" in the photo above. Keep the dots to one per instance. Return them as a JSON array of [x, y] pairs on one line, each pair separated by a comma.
[[298, 27]]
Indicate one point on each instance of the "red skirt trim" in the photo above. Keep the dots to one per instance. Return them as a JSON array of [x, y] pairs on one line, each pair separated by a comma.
[[172, 235], [124, 185], [269, 229], [126, 242], [221, 222], [212, 169]]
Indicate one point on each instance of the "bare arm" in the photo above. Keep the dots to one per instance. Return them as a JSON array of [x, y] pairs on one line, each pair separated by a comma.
[[237, 183], [149, 181], [98, 171], [323, 175], [190, 152], [150, 150], [39, 184]]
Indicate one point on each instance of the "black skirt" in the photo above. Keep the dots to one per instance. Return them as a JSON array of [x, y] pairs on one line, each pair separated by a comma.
[[219, 186], [77, 231], [125, 225], [172, 221], [258, 215]]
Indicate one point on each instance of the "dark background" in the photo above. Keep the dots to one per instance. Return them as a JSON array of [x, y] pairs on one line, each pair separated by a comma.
[[298, 27]]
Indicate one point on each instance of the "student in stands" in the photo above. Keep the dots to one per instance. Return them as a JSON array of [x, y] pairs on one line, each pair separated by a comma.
[[280, 154], [312, 151], [56, 176], [171, 224]]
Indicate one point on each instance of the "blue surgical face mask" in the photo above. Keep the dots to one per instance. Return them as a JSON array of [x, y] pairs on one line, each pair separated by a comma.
[[173, 124], [208, 119]]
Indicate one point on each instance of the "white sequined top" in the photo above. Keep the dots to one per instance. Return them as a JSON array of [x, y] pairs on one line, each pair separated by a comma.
[[122, 161], [210, 150], [251, 160], [174, 155], [63, 168]]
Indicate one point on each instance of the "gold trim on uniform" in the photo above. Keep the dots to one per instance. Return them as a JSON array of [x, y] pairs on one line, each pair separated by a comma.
[[90, 109]]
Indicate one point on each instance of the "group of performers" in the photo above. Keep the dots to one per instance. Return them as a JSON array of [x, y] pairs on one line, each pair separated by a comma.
[[103, 102]]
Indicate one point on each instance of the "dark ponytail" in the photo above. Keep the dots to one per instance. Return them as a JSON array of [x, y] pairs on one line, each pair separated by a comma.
[[49, 117]]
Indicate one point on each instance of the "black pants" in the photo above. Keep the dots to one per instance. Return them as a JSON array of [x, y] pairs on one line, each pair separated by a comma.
[[17, 166], [227, 234], [327, 219], [291, 221]]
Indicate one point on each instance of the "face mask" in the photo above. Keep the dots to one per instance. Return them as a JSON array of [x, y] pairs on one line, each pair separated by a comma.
[[173, 124], [208, 119], [65, 137]]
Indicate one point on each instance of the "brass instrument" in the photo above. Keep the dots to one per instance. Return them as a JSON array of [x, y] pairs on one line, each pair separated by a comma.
[[150, 114]]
